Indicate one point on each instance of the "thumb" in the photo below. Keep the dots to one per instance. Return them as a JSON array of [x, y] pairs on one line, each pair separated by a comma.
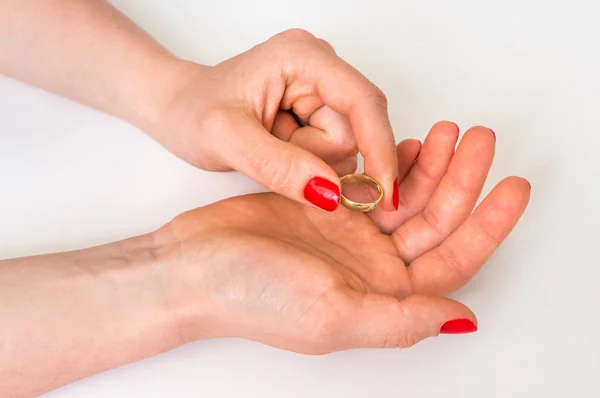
[[282, 167], [388, 322]]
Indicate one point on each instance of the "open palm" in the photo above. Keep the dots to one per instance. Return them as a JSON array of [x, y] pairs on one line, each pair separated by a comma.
[[269, 269]]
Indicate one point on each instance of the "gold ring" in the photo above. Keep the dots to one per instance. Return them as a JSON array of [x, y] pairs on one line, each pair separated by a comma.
[[362, 179]]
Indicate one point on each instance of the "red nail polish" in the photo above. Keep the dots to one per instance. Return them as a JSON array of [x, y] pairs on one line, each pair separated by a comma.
[[322, 193], [395, 194], [458, 326]]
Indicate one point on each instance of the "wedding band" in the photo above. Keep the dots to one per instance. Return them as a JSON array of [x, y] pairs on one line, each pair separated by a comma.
[[361, 179]]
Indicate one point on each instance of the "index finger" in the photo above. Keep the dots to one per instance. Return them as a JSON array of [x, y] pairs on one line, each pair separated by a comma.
[[345, 90]]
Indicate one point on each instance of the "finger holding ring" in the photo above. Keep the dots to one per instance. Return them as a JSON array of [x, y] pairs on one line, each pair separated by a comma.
[[366, 180]]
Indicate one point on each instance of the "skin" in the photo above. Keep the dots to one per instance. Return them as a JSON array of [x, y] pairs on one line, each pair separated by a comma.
[[269, 267], [265, 268], [283, 112]]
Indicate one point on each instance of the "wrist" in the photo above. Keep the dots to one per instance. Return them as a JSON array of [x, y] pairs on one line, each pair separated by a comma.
[[159, 109], [130, 277], [180, 271]]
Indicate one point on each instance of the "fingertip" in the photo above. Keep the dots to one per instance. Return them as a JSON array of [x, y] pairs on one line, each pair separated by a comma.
[[323, 193], [521, 181], [446, 126], [481, 130], [407, 152], [459, 320], [443, 133], [459, 326], [515, 184], [408, 148]]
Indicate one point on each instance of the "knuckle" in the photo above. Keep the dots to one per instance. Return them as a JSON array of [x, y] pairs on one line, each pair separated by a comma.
[[401, 339], [390, 341], [410, 337], [378, 97], [400, 241], [347, 146], [433, 221], [342, 144], [272, 172], [453, 263], [404, 339], [328, 45], [296, 34]]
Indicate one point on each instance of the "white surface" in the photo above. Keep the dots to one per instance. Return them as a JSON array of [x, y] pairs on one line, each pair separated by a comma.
[[71, 177]]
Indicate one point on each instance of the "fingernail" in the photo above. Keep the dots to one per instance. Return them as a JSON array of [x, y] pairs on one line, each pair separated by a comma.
[[322, 193], [395, 194], [494, 134], [458, 326]]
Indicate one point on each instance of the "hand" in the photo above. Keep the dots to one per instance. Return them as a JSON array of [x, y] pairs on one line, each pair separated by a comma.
[[289, 114], [265, 268]]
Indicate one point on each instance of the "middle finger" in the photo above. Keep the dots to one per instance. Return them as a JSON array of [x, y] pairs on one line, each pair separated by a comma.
[[454, 198]]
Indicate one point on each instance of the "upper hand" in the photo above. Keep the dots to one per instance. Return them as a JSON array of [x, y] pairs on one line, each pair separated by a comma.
[[265, 268], [288, 113]]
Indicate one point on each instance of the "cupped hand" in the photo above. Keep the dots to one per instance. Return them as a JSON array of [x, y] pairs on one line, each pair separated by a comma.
[[269, 269], [288, 113]]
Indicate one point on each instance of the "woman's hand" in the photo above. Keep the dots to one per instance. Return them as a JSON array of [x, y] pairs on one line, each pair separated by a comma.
[[289, 114], [235, 115], [265, 268]]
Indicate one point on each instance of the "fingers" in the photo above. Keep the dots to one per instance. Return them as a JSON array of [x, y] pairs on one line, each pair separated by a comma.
[[338, 132], [282, 167], [327, 45], [386, 322], [453, 199], [345, 90], [420, 169], [329, 135], [449, 266], [424, 177], [407, 152], [366, 108]]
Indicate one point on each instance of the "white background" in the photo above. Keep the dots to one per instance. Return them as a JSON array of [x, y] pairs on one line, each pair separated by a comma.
[[71, 177]]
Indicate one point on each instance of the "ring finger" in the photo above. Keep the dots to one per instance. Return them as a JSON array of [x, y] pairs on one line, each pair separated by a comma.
[[454, 198]]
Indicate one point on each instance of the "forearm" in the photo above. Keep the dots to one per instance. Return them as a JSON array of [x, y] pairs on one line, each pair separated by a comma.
[[67, 316], [87, 51]]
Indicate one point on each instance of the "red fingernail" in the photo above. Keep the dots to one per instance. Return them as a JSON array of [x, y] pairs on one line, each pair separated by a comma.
[[322, 193], [395, 194], [458, 326], [494, 134]]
